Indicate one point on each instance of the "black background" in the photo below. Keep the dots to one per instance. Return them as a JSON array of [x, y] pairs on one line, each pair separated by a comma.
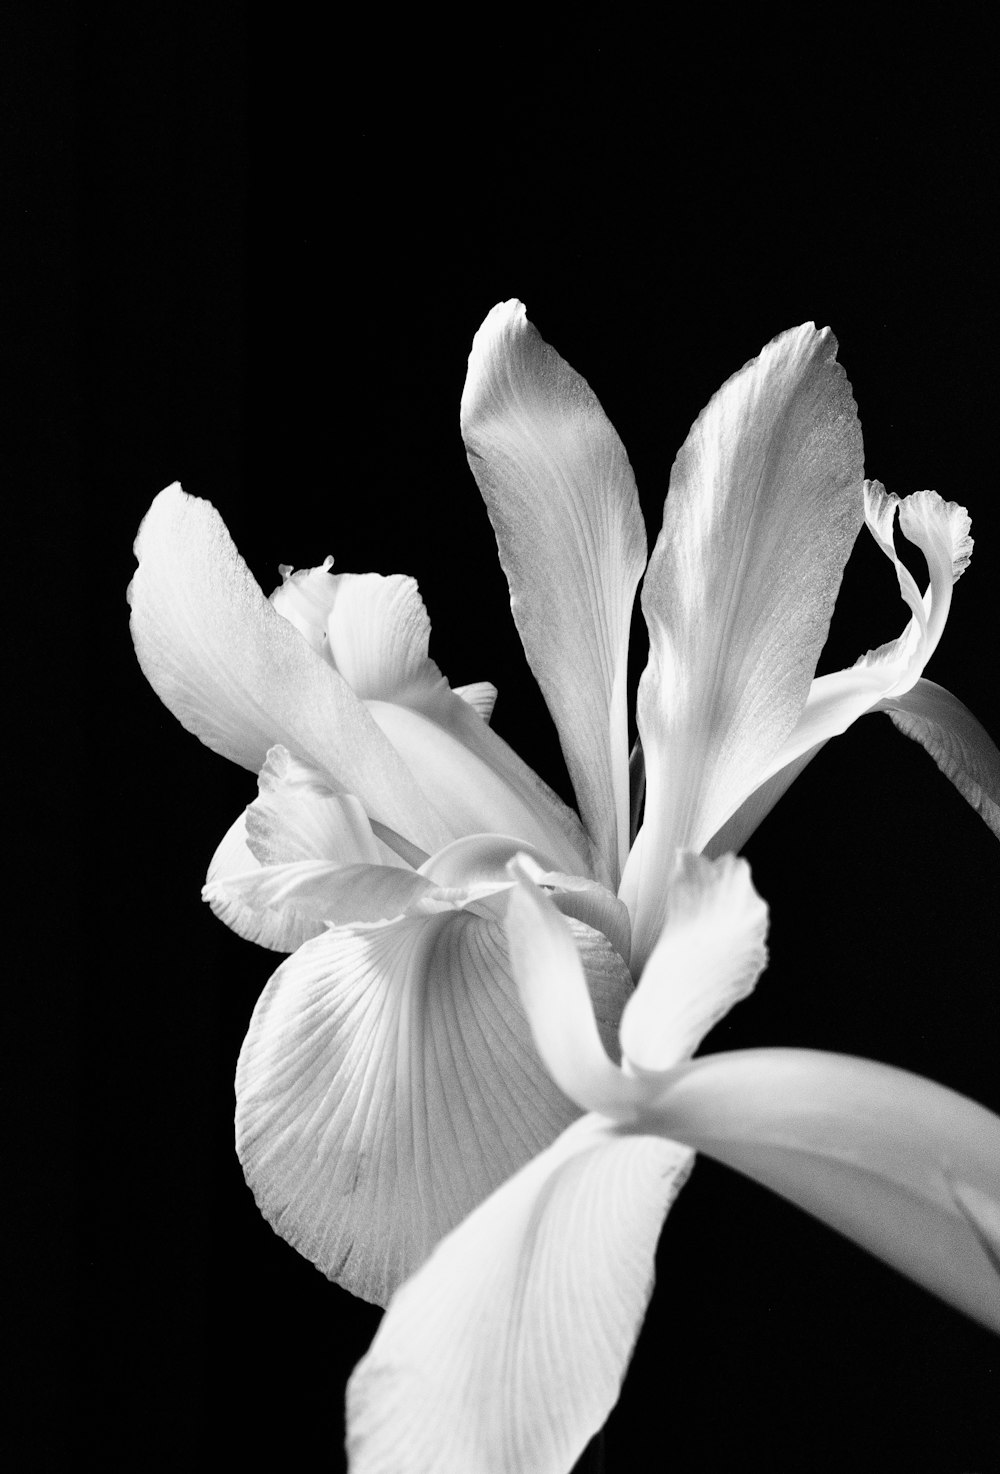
[[285, 238]]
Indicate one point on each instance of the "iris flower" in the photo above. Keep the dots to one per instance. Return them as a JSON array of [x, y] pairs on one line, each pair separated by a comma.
[[507, 1349], [389, 1081]]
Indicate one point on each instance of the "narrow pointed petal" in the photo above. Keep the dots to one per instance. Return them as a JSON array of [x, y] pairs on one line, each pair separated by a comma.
[[961, 747], [709, 956], [562, 500], [242, 677], [763, 508], [553, 989], [388, 1083], [506, 1352], [904, 1167]]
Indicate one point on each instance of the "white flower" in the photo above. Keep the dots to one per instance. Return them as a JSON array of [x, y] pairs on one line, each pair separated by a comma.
[[507, 1349], [389, 1081]]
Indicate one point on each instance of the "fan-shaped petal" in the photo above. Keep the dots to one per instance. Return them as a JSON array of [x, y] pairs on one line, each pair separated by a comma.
[[388, 1083]]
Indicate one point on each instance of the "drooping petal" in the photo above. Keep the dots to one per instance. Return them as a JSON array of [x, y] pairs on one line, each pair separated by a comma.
[[506, 1351], [763, 508], [961, 747], [388, 1083], [553, 989], [710, 954], [906, 1168], [562, 500], [242, 678]]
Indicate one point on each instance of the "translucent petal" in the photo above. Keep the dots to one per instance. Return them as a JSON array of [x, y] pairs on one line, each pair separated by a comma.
[[388, 1083], [562, 500], [506, 1352], [764, 505]]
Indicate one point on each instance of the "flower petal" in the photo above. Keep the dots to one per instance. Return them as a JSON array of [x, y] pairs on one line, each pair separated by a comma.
[[889, 678], [307, 896], [388, 1083], [242, 678], [481, 696], [962, 749], [506, 1352], [553, 988], [710, 954], [893, 1161], [562, 500], [233, 858], [763, 507], [378, 638], [479, 784], [297, 816]]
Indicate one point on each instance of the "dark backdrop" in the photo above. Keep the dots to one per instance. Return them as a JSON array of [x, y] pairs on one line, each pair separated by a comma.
[[287, 238]]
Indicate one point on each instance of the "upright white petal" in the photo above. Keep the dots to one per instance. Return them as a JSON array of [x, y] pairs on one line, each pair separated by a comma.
[[243, 679], [388, 1083], [561, 496], [904, 1167], [506, 1352], [763, 507]]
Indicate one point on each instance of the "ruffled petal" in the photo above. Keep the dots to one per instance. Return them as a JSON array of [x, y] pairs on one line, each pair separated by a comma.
[[763, 508], [242, 678], [307, 896], [506, 1352], [388, 1083], [297, 816], [709, 956], [233, 858], [904, 1167], [562, 500]]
